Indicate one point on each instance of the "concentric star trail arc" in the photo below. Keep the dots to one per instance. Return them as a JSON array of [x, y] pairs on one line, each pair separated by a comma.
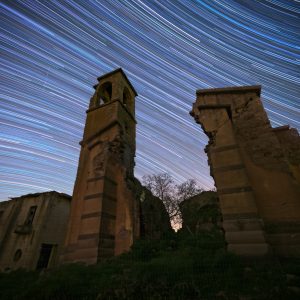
[[53, 51]]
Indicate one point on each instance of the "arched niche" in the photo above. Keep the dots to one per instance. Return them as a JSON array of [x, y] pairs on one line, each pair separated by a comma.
[[104, 93]]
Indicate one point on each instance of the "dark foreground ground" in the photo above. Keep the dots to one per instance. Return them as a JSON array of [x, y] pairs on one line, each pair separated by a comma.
[[180, 266]]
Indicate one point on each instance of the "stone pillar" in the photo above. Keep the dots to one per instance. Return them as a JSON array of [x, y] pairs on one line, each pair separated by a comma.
[[256, 171], [241, 221]]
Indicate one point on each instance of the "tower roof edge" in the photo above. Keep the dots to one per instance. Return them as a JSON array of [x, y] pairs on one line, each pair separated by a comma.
[[234, 89], [124, 75]]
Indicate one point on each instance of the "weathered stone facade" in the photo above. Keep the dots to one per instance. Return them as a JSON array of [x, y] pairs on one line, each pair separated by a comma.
[[256, 171], [32, 230], [105, 212]]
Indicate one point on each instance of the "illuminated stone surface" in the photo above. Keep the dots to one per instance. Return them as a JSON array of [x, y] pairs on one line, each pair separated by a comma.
[[104, 217], [255, 168]]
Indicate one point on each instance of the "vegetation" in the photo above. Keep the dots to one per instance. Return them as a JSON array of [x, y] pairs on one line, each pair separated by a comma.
[[163, 186], [179, 266]]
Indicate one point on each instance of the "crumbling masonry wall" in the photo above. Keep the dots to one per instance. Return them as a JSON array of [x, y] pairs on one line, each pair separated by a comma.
[[201, 213], [22, 238], [256, 171]]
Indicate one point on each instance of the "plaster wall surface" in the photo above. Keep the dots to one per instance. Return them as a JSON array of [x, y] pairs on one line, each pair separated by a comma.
[[21, 241]]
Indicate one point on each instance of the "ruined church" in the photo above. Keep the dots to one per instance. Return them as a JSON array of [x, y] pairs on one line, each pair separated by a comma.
[[256, 169]]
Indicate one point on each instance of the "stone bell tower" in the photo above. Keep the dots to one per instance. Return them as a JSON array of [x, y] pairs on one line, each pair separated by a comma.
[[104, 218]]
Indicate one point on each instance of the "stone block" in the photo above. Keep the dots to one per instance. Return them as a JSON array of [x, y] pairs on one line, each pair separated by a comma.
[[212, 118], [107, 243], [242, 224], [208, 99], [250, 250], [92, 205], [89, 253], [224, 156], [94, 184], [106, 253], [88, 243], [287, 250], [238, 203], [108, 225], [284, 239], [109, 207], [231, 179], [90, 225], [245, 237], [224, 134], [110, 191]]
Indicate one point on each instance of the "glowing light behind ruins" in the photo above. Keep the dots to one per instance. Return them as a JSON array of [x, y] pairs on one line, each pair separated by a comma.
[[52, 53]]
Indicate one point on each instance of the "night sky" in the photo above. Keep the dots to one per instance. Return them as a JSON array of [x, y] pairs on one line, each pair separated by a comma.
[[53, 51]]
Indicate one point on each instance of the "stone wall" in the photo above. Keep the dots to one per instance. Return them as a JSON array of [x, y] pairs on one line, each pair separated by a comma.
[[49, 224], [290, 142], [155, 221], [23, 236], [255, 168], [201, 212]]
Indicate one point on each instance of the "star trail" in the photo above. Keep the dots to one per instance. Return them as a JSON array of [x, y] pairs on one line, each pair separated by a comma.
[[53, 51]]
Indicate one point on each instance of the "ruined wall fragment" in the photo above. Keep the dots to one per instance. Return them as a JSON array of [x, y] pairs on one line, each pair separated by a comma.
[[289, 140], [201, 212], [154, 219], [254, 180], [29, 225]]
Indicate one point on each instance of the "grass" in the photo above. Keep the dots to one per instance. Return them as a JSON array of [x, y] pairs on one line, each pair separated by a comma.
[[180, 266]]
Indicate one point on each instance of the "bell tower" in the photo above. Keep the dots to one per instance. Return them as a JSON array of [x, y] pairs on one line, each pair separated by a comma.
[[104, 218]]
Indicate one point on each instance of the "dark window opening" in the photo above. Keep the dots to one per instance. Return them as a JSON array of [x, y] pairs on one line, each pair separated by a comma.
[[18, 255], [105, 93], [126, 97], [126, 127], [45, 254], [30, 216]]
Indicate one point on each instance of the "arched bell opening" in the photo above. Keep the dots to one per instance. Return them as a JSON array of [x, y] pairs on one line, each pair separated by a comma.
[[105, 93]]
